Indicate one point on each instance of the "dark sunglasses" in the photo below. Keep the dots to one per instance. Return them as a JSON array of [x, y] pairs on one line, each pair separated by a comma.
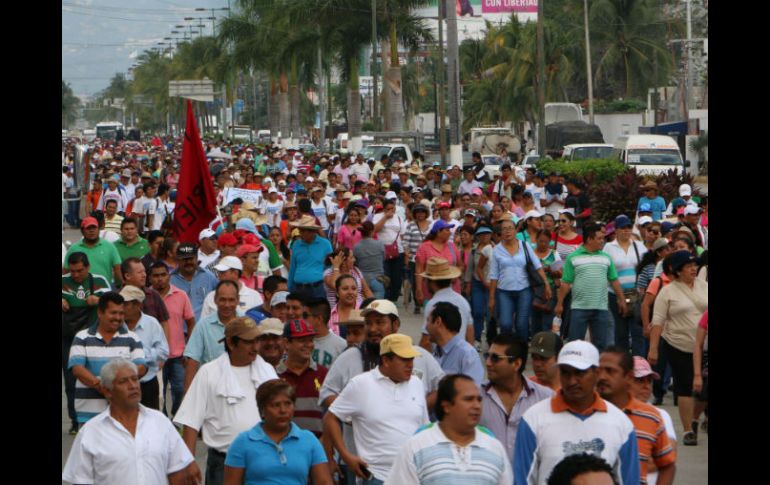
[[653, 231], [564, 220], [495, 358]]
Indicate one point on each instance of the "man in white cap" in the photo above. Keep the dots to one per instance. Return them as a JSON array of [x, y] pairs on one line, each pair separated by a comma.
[[222, 399], [685, 192], [385, 406], [207, 251], [575, 420], [231, 268]]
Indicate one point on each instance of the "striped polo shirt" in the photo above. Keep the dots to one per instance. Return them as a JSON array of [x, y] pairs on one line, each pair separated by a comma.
[[430, 458], [588, 274], [307, 413], [651, 437], [91, 351]]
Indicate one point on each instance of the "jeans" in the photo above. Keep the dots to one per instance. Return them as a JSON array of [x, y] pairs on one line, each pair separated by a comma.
[[627, 329], [508, 303], [541, 321], [599, 322], [394, 269], [311, 292], [69, 379], [378, 290], [479, 307], [73, 213], [173, 374], [215, 467], [373, 481]]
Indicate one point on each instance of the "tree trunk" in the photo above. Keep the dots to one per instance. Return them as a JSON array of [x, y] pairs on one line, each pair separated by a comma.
[[354, 107], [274, 115], [385, 58], [392, 84], [296, 124], [285, 114]]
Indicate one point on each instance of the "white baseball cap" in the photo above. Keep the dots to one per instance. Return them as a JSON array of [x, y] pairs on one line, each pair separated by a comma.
[[272, 190], [532, 213], [579, 354], [383, 307], [684, 190], [229, 262], [391, 195], [643, 220], [206, 233], [279, 298], [691, 210]]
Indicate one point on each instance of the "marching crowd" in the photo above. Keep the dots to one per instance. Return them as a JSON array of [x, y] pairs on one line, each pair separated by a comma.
[[277, 333]]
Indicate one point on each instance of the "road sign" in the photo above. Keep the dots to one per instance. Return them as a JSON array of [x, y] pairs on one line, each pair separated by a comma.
[[197, 90]]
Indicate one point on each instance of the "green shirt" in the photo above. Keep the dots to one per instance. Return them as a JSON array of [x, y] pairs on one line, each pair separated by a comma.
[[102, 257], [274, 260], [76, 294], [136, 250], [588, 274]]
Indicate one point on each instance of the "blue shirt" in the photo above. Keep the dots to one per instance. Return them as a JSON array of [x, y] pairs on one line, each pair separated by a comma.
[[459, 357], [203, 283], [511, 271], [154, 344], [204, 345], [307, 261], [264, 461], [657, 205]]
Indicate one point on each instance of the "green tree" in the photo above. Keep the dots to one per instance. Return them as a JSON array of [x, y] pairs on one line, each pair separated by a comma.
[[70, 104]]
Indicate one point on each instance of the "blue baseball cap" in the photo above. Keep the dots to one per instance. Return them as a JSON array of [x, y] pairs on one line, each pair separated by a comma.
[[666, 227], [622, 221], [247, 225], [440, 225], [680, 258], [483, 230], [678, 202]]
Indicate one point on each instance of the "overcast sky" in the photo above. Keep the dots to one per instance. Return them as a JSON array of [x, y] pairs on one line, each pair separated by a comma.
[[102, 37]]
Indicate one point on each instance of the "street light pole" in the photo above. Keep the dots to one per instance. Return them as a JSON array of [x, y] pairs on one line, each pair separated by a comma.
[[589, 74], [375, 104], [540, 81], [453, 71]]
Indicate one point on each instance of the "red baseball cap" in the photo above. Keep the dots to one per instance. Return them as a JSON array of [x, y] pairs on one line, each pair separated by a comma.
[[298, 328], [246, 249], [227, 239], [88, 222], [444, 205]]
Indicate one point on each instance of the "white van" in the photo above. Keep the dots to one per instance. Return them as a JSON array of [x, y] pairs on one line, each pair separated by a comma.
[[650, 154], [583, 151]]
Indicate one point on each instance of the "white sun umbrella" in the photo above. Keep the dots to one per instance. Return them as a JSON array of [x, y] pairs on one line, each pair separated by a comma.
[[217, 153]]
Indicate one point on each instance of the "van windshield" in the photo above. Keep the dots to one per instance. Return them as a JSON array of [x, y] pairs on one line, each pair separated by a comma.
[[584, 153], [651, 156]]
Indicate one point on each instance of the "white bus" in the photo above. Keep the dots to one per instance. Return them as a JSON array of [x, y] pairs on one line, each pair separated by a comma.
[[109, 130]]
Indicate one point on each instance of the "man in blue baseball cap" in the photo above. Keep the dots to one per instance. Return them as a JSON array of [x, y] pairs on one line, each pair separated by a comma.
[[652, 201]]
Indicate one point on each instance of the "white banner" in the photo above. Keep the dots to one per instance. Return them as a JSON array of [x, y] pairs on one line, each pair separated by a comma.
[[253, 196]]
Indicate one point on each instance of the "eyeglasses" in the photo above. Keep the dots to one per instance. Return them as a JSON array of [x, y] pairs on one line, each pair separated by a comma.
[[495, 358], [564, 221], [653, 231]]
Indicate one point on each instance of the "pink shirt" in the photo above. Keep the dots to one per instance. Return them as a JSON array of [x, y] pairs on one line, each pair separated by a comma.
[[172, 180], [179, 310], [450, 253], [334, 318], [347, 239]]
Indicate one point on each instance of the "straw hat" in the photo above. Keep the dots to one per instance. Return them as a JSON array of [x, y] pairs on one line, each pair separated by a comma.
[[439, 269], [650, 185], [415, 169], [306, 222], [355, 318]]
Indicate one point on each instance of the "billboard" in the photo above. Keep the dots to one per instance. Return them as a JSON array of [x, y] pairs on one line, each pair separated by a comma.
[[472, 15]]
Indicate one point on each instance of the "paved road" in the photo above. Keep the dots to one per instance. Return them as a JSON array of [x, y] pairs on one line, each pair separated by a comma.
[[692, 463]]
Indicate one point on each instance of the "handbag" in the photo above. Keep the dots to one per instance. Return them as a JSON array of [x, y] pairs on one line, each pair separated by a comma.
[[536, 282], [391, 250]]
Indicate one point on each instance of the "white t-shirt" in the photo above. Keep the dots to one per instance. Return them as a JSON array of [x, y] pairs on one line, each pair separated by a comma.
[[273, 211], [383, 414], [109, 236], [361, 171], [322, 210], [162, 208], [537, 193], [394, 228], [247, 299]]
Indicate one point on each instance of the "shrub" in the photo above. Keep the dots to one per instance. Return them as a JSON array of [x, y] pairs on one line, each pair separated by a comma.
[[591, 171]]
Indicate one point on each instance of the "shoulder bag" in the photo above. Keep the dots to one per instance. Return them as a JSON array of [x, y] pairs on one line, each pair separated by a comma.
[[535, 282], [391, 250]]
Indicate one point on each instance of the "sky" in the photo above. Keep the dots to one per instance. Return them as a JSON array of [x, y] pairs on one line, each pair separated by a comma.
[[103, 37]]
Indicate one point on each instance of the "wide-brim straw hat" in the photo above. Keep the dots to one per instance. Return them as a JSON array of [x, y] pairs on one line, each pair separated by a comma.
[[414, 170], [650, 185], [306, 222], [440, 269]]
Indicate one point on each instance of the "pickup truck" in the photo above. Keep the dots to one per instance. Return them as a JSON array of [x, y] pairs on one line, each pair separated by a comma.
[[395, 151]]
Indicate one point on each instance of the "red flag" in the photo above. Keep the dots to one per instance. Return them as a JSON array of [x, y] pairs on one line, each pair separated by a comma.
[[195, 199]]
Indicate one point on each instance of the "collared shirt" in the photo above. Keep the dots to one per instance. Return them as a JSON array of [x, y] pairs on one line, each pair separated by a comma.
[[105, 452], [247, 298], [288, 462], [466, 187], [153, 304], [551, 430], [652, 439], [384, 414], [179, 311], [203, 345], [459, 357], [154, 344], [307, 261], [307, 412], [625, 262], [102, 256], [206, 259], [588, 273], [91, 351], [201, 284], [430, 458], [449, 295], [136, 250], [511, 271], [495, 416]]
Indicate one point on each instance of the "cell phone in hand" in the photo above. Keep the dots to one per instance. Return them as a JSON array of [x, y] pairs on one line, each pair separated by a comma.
[[367, 474]]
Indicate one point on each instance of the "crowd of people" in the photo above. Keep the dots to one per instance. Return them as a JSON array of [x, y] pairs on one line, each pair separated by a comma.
[[276, 335]]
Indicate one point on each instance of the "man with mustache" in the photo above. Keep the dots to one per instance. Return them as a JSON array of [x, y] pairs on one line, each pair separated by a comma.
[[458, 409], [576, 420]]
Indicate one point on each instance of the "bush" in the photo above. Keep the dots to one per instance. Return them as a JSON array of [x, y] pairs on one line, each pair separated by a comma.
[[620, 106], [591, 171]]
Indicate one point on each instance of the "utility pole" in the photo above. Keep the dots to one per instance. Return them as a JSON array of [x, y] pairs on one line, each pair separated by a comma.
[[373, 67], [688, 93], [589, 74], [540, 81], [440, 87], [321, 133], [453, 72]]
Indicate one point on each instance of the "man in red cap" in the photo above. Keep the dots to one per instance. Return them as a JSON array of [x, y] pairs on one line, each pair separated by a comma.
[[249, 254], [103, 256], [299, 370]]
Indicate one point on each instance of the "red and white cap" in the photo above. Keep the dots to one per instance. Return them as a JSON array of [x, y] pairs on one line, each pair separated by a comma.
[[642, 368]]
